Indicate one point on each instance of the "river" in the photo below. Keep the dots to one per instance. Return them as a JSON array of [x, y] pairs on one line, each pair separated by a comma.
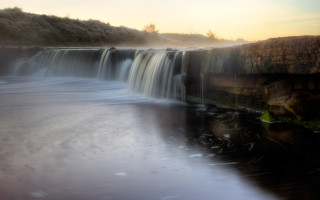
[[79, 138]]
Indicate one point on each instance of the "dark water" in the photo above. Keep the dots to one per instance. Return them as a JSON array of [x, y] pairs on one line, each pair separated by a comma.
[[67, 138]]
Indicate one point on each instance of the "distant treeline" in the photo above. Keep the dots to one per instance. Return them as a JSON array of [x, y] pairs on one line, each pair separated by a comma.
[[18, 28]]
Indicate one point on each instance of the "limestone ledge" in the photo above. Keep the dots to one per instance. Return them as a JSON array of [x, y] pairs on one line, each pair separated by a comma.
[[280, 76], [297, 95]]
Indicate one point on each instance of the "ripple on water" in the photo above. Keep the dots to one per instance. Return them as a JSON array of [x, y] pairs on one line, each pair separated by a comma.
[[38, 194], [121, 174]]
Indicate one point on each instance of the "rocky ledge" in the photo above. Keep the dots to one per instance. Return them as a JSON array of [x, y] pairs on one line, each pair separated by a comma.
[[280, 77]]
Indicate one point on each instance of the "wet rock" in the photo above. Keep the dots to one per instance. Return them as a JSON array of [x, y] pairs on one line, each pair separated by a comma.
[[170, 49], [277, 75]]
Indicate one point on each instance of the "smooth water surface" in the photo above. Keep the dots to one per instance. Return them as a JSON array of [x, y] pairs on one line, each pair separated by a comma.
[[68, 138]]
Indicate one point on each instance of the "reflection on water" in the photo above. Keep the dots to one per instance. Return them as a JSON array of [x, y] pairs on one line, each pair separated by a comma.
[[84, 139]]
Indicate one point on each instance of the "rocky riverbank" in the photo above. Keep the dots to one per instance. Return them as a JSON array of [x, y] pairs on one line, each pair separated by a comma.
[[280, 77]]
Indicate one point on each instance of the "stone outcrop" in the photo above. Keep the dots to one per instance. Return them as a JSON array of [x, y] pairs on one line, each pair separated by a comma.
[[288, 95], [281, 76]]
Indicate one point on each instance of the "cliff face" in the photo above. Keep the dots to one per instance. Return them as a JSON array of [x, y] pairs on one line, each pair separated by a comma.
[[281, 76]]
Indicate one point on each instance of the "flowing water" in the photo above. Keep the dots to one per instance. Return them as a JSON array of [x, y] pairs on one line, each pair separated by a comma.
[[130, 135]]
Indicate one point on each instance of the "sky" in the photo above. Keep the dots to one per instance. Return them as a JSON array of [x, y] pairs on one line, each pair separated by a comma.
[[230, 19]]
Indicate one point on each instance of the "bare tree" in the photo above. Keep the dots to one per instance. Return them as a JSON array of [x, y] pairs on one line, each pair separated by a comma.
[[210, 35], [150, 28]]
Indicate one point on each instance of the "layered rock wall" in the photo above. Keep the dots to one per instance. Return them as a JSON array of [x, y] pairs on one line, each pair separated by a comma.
[[280, 75]]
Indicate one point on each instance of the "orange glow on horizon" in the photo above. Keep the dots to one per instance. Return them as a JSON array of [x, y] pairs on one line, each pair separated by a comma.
[[230, 19]]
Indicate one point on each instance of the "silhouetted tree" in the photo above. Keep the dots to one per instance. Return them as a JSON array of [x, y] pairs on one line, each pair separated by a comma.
[[210, 35], [150, 28]]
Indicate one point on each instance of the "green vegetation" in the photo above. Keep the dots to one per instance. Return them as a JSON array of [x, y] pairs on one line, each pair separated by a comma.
[[313, 124], [18, 28], [267, 117]]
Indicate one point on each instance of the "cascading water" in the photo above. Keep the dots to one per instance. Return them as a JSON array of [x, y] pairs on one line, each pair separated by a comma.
[[159, 74], [60, 62], [70, 62], [115, 64], [154, 73], [207, 62], [107, 64], [103, 62]]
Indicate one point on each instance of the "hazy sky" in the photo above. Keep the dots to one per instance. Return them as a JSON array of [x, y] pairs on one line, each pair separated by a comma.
[[230, 19]]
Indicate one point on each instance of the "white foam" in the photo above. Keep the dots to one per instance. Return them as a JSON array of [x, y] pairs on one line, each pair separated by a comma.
[[121, 174], [228, 163], [195, 155]]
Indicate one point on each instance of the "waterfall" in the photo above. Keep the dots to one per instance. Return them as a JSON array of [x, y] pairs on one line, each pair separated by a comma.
[[22, 67], [115, 64], [68, 62], [110, 64], [31, 65], [154, 73], [103, 63], [159, 74]]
